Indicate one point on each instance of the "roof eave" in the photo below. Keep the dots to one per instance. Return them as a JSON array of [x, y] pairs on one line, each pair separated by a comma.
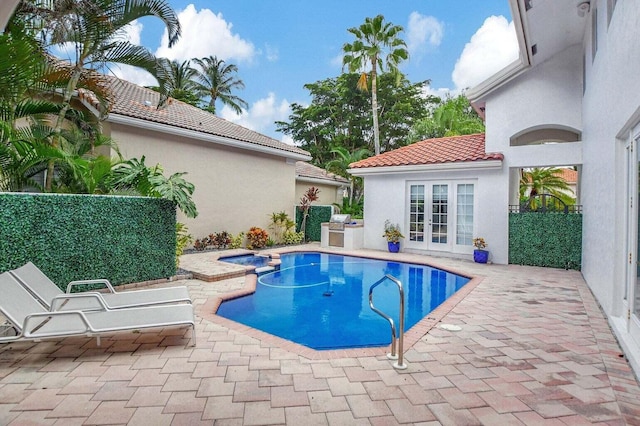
[[422, 168], [319, 181], [511, 71], [221, 140]]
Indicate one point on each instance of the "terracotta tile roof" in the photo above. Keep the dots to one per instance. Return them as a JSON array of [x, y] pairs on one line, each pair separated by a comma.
[[568, 175], [138, 102], [453, 149], [307, 170]]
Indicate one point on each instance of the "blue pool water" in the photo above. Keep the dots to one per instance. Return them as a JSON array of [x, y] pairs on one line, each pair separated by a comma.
[[247, 259], [322, 300]]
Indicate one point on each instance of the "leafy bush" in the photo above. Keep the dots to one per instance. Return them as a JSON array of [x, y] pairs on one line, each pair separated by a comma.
[[183, 239], [237, 241], [291, 237], [74, 237], [546, 239], [317, 215], [257, 238]]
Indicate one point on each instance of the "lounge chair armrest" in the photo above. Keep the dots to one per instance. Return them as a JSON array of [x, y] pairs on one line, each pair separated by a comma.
[[76, 322], [106, 283], [58, 302]]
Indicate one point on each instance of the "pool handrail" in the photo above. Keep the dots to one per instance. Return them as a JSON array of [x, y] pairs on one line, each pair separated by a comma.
[[399, 354]]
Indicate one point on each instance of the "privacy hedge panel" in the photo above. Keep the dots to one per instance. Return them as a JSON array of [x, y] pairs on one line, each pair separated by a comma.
[[317, 215], [546, 239], [72, 237]]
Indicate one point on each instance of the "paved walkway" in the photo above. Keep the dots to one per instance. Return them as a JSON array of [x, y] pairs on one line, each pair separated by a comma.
[[533, 349]]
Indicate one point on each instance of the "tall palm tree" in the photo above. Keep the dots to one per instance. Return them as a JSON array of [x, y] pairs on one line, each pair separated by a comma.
[[377, 45], [216, 80], [95, 30]]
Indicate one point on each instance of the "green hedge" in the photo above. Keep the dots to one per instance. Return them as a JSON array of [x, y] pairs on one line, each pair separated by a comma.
[[317, 215], [546, 239], [71, 237]]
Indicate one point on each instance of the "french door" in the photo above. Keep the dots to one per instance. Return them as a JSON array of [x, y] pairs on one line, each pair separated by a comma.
[[441, 215]]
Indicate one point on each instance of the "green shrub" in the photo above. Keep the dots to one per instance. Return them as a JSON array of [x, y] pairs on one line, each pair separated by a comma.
[[237, 241], [546, 239], [183, 239], [73, 237], [317, 215], [291, 237]]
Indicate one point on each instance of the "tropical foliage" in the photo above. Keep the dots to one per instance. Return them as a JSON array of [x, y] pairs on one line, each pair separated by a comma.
[[544, 180], [377, 46], [42, 131], [216, 80], [453, 116], [339, 115]]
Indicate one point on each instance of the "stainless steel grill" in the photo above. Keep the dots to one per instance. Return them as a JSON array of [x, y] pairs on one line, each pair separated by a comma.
[[337, 221]]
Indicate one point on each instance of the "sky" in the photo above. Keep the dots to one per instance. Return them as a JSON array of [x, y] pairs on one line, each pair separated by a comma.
[[281, 45]]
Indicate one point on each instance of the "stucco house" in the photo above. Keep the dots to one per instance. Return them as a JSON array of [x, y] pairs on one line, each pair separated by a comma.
[[571, 99], [332, 187], [241, 176], [437, 191]]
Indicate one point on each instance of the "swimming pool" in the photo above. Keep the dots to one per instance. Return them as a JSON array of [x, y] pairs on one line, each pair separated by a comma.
[[321, 300]]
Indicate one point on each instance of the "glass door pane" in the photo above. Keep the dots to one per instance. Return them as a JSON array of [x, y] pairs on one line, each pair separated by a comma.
[[439, 213], [416, 213], [464, 214]]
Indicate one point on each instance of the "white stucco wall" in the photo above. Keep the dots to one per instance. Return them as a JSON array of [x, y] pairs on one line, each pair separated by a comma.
[[235, 189], [386, 197], [547, 95], [552, 93], [610, 108]]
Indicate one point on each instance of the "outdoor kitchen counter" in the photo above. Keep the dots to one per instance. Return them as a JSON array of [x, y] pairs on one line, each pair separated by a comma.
[[350, 238]]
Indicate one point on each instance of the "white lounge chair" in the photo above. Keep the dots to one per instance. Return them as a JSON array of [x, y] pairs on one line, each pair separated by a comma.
[[52, 298], [33, 322]]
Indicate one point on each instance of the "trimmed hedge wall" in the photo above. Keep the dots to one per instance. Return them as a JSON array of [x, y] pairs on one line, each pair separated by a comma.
[[546, 239], [317, 215], [73, 237]]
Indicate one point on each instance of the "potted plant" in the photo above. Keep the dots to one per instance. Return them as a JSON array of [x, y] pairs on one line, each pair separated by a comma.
[[480, 255], [392, 234]]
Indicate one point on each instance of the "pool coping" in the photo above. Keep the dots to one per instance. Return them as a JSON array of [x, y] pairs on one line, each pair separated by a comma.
[[411, 337]]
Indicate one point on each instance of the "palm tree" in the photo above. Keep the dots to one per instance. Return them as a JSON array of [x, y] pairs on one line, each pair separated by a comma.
[[377, 45], [216, 80], [95, 30], [179, 81], [544, 180], [340, 164]]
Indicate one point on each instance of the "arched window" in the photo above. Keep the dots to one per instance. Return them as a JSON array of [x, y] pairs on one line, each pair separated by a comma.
[[540, 135]]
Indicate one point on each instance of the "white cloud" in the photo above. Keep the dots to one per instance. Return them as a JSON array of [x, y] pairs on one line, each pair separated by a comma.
[[491, 48], [132, 32], [204, 34], [261, 114], [423, 31], [133, 75]]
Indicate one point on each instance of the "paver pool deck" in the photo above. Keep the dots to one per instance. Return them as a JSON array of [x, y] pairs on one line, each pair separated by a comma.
[[533, 349]]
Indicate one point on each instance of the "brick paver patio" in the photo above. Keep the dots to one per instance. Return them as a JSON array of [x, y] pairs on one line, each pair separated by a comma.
[[533, 349]]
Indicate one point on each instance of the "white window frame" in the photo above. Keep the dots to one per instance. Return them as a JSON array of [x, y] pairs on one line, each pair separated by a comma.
[[452, 215]]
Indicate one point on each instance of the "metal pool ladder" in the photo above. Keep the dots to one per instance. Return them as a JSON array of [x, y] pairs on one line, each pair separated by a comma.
[[399, 354]]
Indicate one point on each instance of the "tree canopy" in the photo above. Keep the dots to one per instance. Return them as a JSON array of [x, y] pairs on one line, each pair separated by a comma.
[[339, 115], [454, 116]]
